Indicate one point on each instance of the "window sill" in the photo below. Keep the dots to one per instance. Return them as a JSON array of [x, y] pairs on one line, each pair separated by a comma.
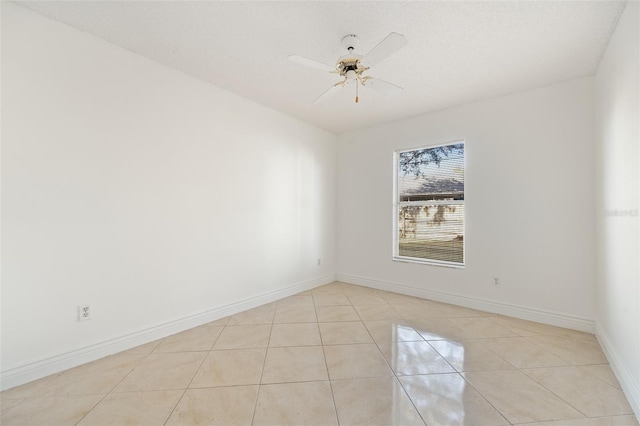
[[429, 262]]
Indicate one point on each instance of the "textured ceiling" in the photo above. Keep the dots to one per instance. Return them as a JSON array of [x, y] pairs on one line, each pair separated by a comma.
[[457, 52]]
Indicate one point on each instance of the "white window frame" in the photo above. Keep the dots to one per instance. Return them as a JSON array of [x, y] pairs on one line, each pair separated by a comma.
[[396, 212]]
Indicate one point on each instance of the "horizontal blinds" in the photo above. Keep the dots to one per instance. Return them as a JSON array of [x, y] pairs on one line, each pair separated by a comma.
[[431, 203], [432, 232]]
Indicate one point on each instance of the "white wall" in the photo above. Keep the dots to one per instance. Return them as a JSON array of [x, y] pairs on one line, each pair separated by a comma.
[[529, 205], [617, 134], [149, 194]]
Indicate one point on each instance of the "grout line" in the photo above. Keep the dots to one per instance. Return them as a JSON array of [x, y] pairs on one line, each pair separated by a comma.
[[184, 391], [394, 374], [142, 359], [553, 393], [264, 363], [93, 408], [326, 366], [195, 372], [486, 399], [197, 369], [410, 400], [176, 404]]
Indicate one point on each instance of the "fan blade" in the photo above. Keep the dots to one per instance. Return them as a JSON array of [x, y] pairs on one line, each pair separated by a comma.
[[383, 87], [329, 93], [385, 48], [311, 63]]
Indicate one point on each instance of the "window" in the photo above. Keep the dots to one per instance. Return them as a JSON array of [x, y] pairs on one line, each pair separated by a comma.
[[429, 205]]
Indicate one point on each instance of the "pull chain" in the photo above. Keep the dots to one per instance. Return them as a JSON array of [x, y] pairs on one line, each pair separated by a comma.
[[356, 90]]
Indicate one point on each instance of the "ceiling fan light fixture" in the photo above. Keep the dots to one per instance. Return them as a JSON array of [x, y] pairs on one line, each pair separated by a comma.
[[350, 66]]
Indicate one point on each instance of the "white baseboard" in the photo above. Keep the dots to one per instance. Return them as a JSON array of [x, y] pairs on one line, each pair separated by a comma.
[[531, 314], [55, 364], [630, 386]]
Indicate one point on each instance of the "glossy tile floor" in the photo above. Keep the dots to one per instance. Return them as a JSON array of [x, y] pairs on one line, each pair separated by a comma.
[[340, 354]]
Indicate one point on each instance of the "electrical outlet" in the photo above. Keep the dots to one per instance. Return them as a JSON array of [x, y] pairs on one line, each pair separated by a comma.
[[84, 312], [496, 282]]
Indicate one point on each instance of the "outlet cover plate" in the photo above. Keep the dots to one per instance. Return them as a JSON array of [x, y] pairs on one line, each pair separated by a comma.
[[84, 312]]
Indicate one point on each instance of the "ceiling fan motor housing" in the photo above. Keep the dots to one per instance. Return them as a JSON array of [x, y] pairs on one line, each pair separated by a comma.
[[349, 66]]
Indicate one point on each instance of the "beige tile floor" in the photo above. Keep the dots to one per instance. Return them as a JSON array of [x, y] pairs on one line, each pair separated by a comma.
[[340, 354]]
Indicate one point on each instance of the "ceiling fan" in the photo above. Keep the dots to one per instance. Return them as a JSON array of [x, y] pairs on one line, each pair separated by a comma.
[[352, 66]]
